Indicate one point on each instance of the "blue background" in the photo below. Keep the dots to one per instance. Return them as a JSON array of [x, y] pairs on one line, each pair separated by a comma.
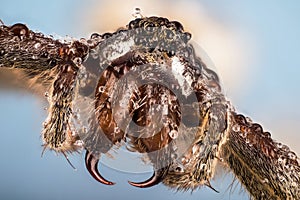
[[268, 92]]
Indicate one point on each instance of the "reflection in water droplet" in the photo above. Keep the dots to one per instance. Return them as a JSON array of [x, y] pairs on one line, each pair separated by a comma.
[[236, 128], [79, 143], [279, 145], [84, 129], [292, 155], [101, 89], [44, 124], [117, 129], [77, 61], [248, 120], [2, 52], [281, 178], [202, 166], [37, 45], [76, 116], [243, 134], [294, 184], [281, 160], [179, 169], [137, 13], [195, 149], [173, 134], [265, 180]]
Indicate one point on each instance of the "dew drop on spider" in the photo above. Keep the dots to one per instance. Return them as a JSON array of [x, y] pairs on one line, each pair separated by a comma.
[[279, 145], [77, 61], [84, 129], [2, 52], [101, 89], [37, 45], [247, 141], [292, 155], [137, 13], [280, 178], [236, 128], [294, 184], [173, 134], [265, 180], [79, 143], [76, 115], [46, 94]]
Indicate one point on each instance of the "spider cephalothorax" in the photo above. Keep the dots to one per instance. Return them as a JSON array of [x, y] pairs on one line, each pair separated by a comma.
[[144, 86]]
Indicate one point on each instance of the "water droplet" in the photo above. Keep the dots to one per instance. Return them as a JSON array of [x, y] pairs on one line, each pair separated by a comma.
[[236, 128], [292, 155], [61, 86], [281, 178], [76, 115], [285, 148], [267, 134], [265, 180], [2, 52], [279, 145], [116, 129], [294, 184], [46, 94], [101, 89], [20, 30], [34, 57], [84, 129], [77, 61], [79, 143], [281, 160], [37, 45], [178, 169], [45, 124], [195, 149], [202, 166], [243, 134], [173, 134], [248, 120], [137, 13], [247, 141]]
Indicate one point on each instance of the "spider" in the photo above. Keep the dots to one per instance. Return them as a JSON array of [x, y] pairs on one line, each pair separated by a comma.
[[143, 85]]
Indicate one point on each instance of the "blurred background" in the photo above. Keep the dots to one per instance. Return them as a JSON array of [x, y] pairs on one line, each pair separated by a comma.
[[254, 46]]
